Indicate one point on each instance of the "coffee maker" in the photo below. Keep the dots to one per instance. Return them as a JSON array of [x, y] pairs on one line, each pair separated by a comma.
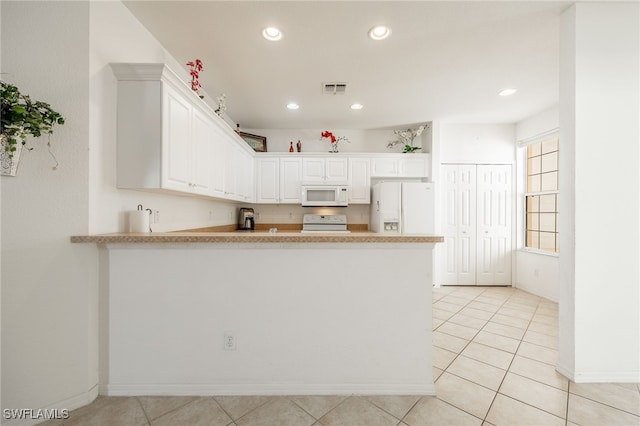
[[245, 219]]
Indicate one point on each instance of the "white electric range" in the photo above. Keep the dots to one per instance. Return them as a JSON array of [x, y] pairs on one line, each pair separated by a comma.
[[329, 223]]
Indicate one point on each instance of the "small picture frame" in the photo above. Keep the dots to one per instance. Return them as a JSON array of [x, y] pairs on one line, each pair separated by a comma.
[[258, 143]]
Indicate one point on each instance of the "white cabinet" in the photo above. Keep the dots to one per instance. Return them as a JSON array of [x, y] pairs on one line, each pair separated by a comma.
[[324, 170], [202, 152], [290, 180], [414, 165], [267, 180], [168, 139], [238, 176], [219, 163], [384, 167], [476, 223], [359, 181], [278, 180], [401, 165], [177, 131], [244, 182]]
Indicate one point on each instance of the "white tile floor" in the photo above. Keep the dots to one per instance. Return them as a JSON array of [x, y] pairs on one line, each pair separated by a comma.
[[494, 354]]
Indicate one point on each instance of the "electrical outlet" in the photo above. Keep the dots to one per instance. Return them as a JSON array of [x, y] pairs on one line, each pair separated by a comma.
[[229, 341], [156, 216]]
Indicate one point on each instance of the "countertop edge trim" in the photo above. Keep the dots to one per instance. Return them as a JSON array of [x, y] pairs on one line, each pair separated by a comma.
[[252, 239]]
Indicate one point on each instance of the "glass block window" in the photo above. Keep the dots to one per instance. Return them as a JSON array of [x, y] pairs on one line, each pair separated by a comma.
[[541, 198]]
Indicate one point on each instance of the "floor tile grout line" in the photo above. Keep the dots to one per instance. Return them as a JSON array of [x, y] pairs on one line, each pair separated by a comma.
[[143, 411], [224, 411], [603, 403], [530, 405], [303, 409], [508, 368], [468, 343], [450, 404], [566, 421], [533, 359], [509, 371], [365, 397], [486, 321], [460, 354], [339, 404], [535, 380], [412, 407], [195, 398], [471, 381], [269, 399]]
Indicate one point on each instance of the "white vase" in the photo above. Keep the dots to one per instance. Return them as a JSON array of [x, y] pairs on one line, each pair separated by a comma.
[[8, 162]]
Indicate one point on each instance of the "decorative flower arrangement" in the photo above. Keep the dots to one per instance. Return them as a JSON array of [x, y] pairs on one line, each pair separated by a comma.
[[20, 116], [334, 140], [222, 105], [196, 67], [406, 138]]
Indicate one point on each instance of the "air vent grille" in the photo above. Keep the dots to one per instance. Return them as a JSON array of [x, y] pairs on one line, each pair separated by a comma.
[[334, 88]]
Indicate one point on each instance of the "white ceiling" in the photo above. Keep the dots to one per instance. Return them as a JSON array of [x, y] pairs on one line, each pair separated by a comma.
[[444, 60]]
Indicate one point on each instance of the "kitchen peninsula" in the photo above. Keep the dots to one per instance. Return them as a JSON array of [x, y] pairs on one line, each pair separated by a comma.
[[203, 313]]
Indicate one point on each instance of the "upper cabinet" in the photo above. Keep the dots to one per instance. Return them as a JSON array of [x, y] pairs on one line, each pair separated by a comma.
[[401, 165], [278, 180], [279, 176], [169, 139], [290, 180], [268, 180], [359, 180], [327, 170]]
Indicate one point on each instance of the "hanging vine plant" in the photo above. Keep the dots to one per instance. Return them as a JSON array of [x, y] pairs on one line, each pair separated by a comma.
[[20, 116]]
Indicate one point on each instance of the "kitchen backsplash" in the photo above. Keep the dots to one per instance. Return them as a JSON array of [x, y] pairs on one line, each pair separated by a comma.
[[292, 213]]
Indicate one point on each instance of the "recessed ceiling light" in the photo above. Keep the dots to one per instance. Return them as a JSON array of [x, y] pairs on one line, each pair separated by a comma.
[[507, 92], [379, 32], [356, 106], [293, 105], [272, 34]]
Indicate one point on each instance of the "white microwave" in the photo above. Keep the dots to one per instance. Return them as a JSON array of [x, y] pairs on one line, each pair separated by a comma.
[[325, 196]]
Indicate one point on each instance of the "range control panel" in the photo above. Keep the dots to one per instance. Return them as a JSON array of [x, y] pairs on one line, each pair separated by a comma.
[[324, 223]]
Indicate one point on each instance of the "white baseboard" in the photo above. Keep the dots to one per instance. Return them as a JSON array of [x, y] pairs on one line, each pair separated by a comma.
[[600, 377], [265, 389], [535, 291]]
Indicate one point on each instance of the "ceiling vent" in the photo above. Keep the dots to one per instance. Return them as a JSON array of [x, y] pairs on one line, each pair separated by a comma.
[[334, 88]]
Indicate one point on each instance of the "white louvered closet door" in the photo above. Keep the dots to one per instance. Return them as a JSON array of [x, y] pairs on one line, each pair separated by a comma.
[[459, 224], [494, 225]]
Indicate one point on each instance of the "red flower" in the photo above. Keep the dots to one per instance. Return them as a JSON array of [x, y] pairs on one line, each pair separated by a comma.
[[328, 134], [196, 67]]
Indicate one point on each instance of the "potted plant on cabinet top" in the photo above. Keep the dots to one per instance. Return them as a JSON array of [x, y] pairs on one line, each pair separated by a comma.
[[406, 138], [21, 117]]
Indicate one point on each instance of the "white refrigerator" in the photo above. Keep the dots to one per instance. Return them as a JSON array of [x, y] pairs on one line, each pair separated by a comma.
[[403, 208]]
